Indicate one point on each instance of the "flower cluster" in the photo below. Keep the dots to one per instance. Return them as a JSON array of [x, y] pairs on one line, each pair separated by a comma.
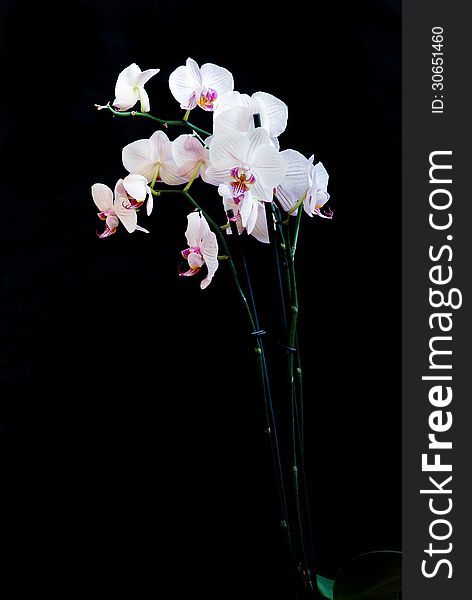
[[257, 188], [241, 157]]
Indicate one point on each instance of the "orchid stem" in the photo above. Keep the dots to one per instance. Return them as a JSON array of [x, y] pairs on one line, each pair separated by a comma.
[[193, 177], [297, 404], [261, 360], [268, 405], [295, 233], [135, 113]]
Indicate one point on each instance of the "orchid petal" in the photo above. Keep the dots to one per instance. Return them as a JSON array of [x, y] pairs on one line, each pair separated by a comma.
[[260, 230], [170, 174], [321, 177], [270, 168], [209, 249], [161, 146], [127, 216], [137, 158], [102, 196], [231, 100], [139, 228], [228, 150], [182, 86], [136, 186], [215, 176], [245, 208], [257, 137], [187, 148], [251, 221], [145, 76], [295, 183], [276, 113], [144, 98], [193, 228], [238, 118], [194, 70], [150, 202], [130, 75], [216, 78], [204, 229], [126, 97]]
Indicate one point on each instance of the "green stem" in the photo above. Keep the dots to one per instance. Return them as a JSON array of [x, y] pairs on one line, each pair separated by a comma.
[[295, 234], [297, 405], [193, 177], [261, 361], [135, 113]]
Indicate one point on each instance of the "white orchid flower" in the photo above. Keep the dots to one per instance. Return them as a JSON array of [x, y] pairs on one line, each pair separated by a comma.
[[193, 86], [202, 250], [115, 209], [153, 159], [304, 183], [273, 114], [246, 162], [129, 88], [296, 184], [318, 194], [249, 213], [137, 189], [190, 156]]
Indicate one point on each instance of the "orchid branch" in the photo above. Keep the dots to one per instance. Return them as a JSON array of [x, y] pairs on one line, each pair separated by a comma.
[[135, 113], [261, 360]]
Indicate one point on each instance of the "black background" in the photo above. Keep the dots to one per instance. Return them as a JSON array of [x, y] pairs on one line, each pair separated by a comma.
[[133, 456]]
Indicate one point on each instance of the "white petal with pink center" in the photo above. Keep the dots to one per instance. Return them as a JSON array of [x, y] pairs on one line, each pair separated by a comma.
[[246, 162], [193, 86], [190, 156], [115, 208], [129, 88], [153, 159], [203, 248]]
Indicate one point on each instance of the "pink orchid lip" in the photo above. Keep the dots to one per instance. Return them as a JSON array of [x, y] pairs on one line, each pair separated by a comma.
[[193, 250], [132, 204], [188, 273], [106, 233], [327, 215], [241, 182], [186, 253], [106, 213], [207, 99]]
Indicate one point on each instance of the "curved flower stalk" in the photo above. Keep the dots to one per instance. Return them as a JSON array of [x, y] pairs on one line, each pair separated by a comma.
[[115, 209], [129, 88], [193, 86], [202, 250]]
